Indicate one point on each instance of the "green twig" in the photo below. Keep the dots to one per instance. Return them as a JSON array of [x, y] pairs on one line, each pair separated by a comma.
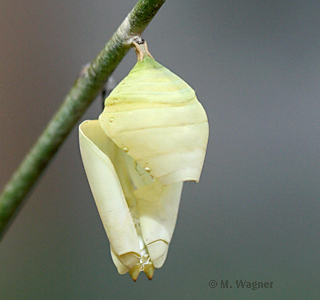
[[84, 91]]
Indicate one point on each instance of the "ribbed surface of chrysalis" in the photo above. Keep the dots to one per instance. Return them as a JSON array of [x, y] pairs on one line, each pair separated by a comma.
[[156, 118]]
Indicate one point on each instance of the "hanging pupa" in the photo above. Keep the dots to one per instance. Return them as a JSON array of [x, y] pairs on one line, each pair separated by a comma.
[[151, 136]]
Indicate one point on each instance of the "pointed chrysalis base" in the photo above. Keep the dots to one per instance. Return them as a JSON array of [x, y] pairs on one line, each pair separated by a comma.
[[144, 265]]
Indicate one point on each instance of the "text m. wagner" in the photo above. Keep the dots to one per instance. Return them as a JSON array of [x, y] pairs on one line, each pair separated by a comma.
[[253, 285]]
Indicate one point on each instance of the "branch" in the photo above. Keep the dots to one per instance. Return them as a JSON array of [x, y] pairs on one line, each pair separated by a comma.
[[83, 92]]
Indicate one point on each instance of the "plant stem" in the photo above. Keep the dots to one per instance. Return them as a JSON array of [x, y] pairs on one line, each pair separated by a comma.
[[83, 92]]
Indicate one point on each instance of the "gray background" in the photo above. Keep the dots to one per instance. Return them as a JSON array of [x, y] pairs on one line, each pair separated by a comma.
[[255, 66]]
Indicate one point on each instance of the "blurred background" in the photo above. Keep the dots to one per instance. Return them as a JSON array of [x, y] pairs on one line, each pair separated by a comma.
[[254, 215]]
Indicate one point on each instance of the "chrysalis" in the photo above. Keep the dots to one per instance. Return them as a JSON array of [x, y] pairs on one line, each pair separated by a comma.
[[151, 136]]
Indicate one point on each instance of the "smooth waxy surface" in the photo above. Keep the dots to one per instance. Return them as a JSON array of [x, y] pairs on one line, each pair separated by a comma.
[[156, 116]]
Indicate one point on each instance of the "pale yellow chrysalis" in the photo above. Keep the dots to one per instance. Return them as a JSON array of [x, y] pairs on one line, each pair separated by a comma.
[[151, 136]]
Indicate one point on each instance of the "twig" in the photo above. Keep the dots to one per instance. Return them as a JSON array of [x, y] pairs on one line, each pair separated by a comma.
[[83, 92]]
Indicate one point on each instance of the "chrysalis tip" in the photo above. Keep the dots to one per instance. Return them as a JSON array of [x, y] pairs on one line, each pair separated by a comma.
[[134, 272], [149, 270]]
